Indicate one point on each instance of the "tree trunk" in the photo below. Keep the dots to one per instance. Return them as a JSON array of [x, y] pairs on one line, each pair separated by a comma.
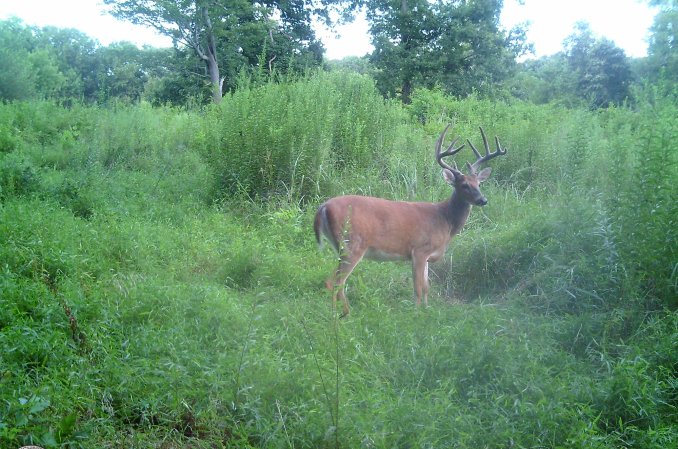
[[215, 79], [211, 59], [406, 93], [406, 43]]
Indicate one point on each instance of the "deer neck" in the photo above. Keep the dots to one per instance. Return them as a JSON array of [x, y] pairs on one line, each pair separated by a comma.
[[456, 211]]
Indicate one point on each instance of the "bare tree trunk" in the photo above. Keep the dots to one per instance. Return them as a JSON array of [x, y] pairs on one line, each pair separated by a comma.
[[209, 54], [215, 79], [211, 59]]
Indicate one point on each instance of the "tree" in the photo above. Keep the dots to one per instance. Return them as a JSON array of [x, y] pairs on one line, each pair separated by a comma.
[[16, 70], [28, 67], [223, 33], [457, 44], [176, 78], [545, 80], [401, 31], [75, 55], [65, 64], [49, 81], [602, 70], [663, 48], [186, 22], [589, 72], [121, 72]]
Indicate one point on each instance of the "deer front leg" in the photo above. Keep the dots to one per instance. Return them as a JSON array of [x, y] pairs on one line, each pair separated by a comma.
[[420, 277]]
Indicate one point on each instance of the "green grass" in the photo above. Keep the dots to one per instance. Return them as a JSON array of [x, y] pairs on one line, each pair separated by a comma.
[[145, 303]]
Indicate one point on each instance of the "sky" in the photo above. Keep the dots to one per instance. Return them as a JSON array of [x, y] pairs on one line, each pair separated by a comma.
[[625, 22]]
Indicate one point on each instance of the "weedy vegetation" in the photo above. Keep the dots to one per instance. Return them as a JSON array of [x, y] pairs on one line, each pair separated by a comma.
[[160, 285]]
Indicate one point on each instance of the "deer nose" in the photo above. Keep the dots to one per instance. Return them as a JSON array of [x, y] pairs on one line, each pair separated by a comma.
[[481, 201]]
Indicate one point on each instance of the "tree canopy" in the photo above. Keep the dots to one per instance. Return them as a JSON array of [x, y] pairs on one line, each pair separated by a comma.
[[601, 69], [455, 46], [590, 71], [228, 35], [663, 42]]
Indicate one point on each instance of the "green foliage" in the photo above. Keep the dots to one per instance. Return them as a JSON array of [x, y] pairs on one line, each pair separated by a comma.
[[643, 201], [590, 72], [68, 66], [289, 138], [457, 45], [17, 176], [17, 81], [136, 311], [662, 58], [224, 39], [601, 69]]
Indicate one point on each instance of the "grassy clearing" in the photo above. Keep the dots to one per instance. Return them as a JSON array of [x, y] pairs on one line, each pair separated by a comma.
[[148, 301]]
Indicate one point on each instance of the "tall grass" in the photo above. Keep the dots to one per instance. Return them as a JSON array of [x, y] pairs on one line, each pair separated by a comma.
[[290, 139], [160, 286]]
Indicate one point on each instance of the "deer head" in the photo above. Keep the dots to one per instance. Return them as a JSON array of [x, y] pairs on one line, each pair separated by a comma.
[[467, 187]]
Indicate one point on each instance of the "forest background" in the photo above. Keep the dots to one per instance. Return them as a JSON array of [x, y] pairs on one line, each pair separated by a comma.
[[160, 285]]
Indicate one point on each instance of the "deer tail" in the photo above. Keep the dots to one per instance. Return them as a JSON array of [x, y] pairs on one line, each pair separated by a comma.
[[322, 227]]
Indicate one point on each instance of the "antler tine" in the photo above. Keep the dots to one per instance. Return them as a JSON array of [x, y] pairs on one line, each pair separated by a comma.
[[488, 155], [449, 152]]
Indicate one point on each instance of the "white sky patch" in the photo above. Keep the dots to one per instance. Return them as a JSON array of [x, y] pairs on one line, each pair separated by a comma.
[[87, 16], [351, 39], [625, 22]]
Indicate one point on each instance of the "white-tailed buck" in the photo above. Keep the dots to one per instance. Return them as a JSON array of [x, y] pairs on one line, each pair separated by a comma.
[[380, 229]]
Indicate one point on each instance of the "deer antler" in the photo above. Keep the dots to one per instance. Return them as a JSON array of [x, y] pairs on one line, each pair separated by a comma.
[[451, 151], [488, 155]]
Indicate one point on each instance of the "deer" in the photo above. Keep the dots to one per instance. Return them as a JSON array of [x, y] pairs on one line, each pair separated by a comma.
[[379, 229]]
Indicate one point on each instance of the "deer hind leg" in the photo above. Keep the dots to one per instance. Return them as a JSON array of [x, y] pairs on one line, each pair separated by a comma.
[[347, 263], [426, 284], [420, 278]]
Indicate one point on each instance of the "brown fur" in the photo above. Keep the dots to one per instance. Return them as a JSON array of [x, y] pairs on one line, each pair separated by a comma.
[[380, 229]]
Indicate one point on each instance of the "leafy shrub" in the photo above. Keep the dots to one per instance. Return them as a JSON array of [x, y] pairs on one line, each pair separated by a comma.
[[17, 176], [562, 259], [281, 138], [8, 139], [643, 200]]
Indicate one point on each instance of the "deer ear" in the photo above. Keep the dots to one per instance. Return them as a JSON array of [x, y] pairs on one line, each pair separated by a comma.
[[484, 174], [451, 176]]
